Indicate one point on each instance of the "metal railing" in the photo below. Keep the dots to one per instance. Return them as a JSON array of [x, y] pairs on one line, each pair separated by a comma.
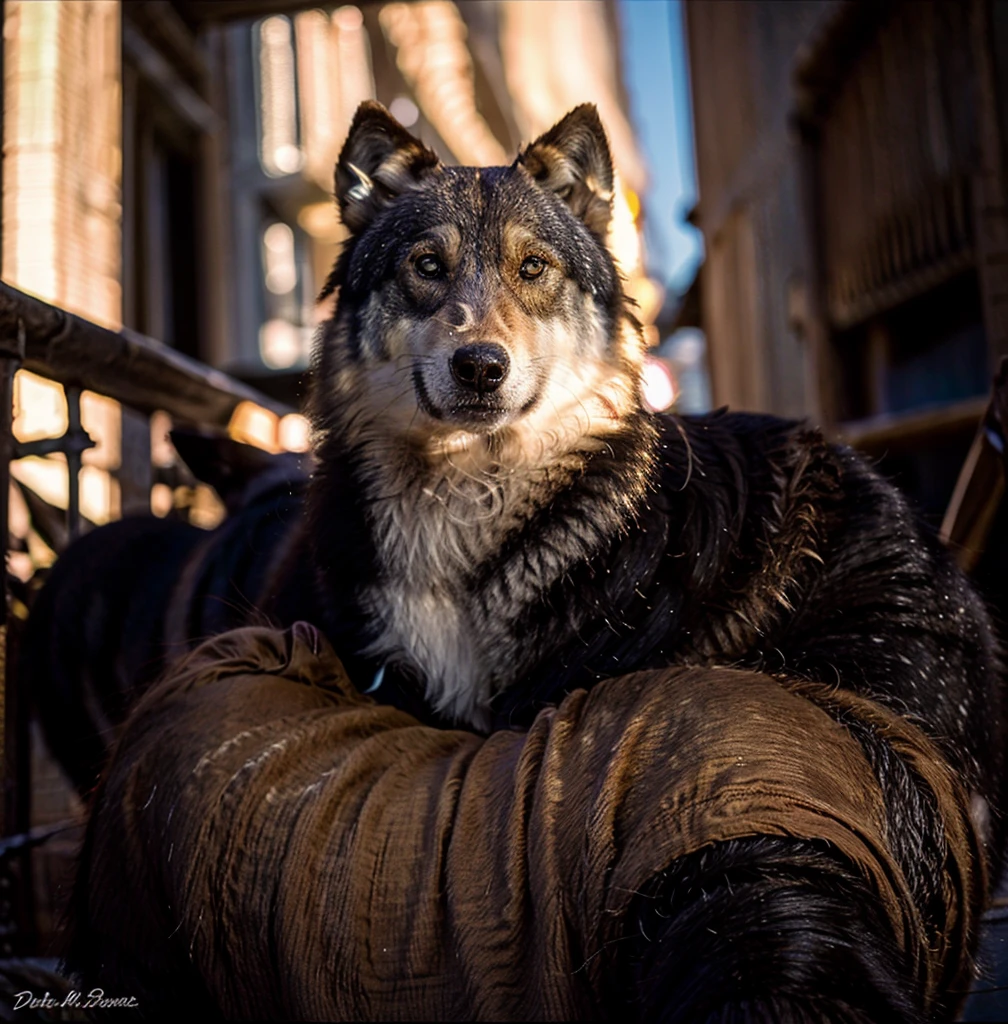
[[141, 374]]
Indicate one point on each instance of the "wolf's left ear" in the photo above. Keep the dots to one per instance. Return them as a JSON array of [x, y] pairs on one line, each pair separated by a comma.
[[572, 159], [379, 161]]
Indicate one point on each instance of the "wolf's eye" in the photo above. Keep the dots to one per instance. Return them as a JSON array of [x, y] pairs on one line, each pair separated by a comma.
[[429, 266], [532, 267]]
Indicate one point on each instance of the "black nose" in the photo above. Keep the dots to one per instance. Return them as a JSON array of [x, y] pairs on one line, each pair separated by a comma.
[[481, 368]]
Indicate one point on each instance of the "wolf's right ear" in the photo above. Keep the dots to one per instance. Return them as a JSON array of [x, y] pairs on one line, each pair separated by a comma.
[[379, 161], [573, 161]]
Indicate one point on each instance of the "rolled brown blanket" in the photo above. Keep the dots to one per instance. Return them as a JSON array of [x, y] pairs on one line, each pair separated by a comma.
[[269, 843]]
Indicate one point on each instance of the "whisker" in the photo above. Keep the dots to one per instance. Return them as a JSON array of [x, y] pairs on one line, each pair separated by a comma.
[[689, 451], [577, 398]]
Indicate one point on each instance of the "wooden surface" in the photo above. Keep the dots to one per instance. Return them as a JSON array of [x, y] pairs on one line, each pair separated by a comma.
[[876, 433]]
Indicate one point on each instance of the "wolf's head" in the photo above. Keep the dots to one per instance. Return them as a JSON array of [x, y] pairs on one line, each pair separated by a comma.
[[477, 305]]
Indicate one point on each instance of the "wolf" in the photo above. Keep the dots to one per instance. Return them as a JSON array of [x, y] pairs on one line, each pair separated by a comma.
[[497, 519], [501, 518]]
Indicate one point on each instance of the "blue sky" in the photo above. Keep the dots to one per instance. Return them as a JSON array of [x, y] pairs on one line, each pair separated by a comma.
[[657, 78]]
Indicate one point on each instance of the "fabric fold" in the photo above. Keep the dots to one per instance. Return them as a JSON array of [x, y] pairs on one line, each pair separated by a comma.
[[295, 850]]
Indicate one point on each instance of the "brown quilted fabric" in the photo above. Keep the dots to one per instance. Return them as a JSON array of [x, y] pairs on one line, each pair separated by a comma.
[[294, 850]]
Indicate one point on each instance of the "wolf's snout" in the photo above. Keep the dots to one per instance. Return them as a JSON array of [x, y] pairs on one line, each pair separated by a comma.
[[481, 368]]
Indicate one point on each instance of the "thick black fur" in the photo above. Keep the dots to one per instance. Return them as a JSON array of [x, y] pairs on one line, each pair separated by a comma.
[[95, 636], [769, 930], [129, 597]]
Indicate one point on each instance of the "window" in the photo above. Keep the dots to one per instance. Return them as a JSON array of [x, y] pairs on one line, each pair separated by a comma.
[[285, 333], [276, 79]]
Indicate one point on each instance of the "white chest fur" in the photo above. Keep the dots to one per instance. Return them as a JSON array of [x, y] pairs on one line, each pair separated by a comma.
[[430, 541]]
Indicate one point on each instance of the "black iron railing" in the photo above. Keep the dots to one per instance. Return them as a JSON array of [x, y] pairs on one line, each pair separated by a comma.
[[144, 376]]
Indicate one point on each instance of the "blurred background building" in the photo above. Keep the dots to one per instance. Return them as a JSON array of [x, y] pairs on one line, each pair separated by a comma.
[[850, 165]]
